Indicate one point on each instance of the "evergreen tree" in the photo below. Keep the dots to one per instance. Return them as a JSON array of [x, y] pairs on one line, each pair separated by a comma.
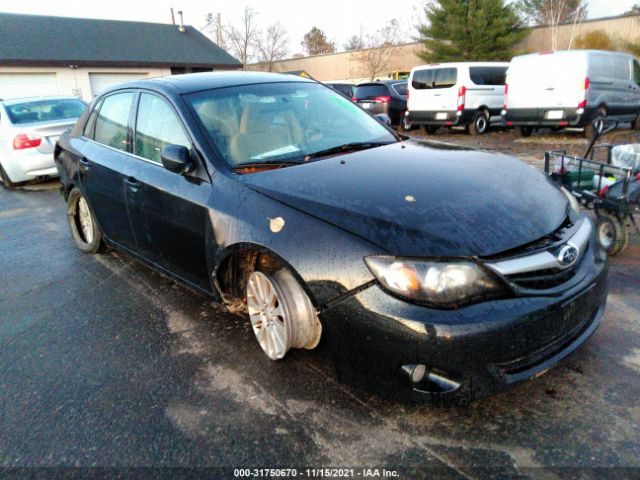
[[470, 30]]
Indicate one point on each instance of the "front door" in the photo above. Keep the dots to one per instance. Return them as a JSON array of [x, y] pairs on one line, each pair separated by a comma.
[[104, 163], [168, 211]]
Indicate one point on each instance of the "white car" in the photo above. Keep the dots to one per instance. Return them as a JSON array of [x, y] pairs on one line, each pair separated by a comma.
[[29, 129], [569, 89], [467, 94]]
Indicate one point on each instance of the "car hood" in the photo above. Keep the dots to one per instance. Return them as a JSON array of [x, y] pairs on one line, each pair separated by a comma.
[[423, 198]]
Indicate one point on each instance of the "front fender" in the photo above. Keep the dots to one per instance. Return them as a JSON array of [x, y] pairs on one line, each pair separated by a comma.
[[329, 260]]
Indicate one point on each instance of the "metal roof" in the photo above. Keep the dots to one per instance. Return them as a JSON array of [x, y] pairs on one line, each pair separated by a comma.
[[35, 40]]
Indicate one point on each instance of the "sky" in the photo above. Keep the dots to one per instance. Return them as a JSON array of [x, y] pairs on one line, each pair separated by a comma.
[[338, 18]]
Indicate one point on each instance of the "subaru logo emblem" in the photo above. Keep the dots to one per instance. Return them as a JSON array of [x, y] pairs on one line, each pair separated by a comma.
[[568, 255]]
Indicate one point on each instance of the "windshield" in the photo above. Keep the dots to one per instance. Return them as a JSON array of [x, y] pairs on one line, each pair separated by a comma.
[[44, 110], [282, 121]]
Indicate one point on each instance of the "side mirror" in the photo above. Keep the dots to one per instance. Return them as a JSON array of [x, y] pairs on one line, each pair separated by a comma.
[[176, 158]]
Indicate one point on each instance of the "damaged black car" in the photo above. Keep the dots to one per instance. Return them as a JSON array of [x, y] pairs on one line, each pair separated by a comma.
[[433, 271]]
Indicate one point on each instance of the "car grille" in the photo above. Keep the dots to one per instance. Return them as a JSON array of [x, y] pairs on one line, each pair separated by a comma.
[[536, 266], [545, 279]]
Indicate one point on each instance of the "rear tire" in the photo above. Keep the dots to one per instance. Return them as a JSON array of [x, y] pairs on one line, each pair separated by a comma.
[[525, 131], [480, 123], [8, 184], [636, 123], [405, 123], [429, 129], [589, 129], [85, 232], [611, 233]]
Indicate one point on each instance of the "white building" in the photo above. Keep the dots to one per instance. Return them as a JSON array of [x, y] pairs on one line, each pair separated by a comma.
[[42, 55]]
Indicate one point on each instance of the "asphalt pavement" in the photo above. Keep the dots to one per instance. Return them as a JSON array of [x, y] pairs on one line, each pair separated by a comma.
[[105, 363]]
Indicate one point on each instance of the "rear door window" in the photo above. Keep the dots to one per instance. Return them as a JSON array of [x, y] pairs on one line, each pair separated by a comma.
[[445, 77], [636, 72], [91, 123], [488, 75], [370, 91], [157, 125], [422, 79], [401, 88], [112, 122]]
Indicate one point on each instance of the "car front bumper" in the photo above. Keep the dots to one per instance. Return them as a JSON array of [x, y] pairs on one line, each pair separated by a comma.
[[470, 352], [28, 164]]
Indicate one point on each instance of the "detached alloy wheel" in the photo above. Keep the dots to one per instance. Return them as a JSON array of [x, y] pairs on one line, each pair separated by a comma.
[[282, 315], [480, 124], [611, 233], [84, 229]]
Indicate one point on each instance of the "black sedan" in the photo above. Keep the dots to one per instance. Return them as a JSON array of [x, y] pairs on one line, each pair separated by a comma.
[[433, 271]]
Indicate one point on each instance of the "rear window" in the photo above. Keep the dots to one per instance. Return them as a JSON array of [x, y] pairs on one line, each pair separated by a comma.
[[401, 88], [488, 75], [44, 111], [422, 79], [371, 91], [445, 77], [435, 78], [343, 88]]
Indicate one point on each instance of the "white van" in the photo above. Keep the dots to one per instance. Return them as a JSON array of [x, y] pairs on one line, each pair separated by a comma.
[[456, 95], [569, 89]]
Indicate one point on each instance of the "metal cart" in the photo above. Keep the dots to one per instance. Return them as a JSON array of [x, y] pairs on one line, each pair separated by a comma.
[[613, 192]]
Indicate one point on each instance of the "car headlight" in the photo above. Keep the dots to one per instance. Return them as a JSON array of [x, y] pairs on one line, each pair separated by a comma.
[[443, 284]]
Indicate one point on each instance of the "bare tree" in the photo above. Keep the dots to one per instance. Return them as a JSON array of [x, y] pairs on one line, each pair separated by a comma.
[[213, 27], [379, 48], [354, 42], [243, 39], [555, 13], [273, 45]]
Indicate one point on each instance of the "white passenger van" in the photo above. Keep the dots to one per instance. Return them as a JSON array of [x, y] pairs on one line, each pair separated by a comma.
[[456, 95], [569, 89]]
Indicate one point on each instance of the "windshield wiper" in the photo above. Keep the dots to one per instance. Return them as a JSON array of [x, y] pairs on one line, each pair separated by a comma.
[[267, 163], [347, 147]]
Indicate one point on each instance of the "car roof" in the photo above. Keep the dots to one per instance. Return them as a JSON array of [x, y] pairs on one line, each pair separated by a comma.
[[195, 82], [383, 82], [460, 64], [13, 101]]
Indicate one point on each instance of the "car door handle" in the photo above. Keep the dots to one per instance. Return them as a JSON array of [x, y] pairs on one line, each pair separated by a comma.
[[83, 164], [550, 89], [133, 184]]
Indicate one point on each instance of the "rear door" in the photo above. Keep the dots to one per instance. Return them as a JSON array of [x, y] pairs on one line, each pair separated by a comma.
[[105, 163], [488, 87], [168, 210], [421, 95], [445, 92]]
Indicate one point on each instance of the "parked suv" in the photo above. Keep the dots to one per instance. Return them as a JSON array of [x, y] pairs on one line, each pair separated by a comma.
[[345, 88], [29, 129], [456, 95], [569, 89], [383, 96]]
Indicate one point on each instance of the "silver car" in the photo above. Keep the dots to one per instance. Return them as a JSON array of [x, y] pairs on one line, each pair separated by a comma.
[[29, 129]]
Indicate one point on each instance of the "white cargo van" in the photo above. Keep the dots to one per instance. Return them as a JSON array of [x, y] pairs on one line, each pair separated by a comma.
[[569, 89], [456, 95]]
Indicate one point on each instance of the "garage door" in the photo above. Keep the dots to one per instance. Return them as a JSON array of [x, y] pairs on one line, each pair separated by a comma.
[[16, 85], [101, 81]]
